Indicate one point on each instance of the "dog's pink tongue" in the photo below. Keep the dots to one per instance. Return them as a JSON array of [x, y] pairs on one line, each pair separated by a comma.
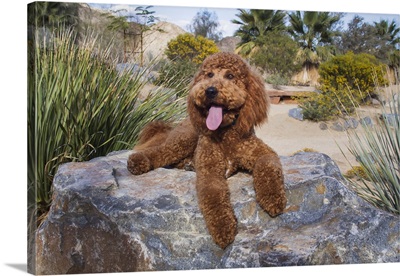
[[214, 118]]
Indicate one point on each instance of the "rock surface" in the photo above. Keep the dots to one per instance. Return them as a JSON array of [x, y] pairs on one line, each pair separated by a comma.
[[103, 219], [228, 44], [296, 113], [155, 42]]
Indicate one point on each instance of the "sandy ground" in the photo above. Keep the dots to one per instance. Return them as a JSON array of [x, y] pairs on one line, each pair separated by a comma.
[[287, 135]]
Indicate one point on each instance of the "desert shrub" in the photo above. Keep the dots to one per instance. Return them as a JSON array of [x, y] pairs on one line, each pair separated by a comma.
[[80, 107], [345, 81], [176, 74], [304, 150], [276, 56], [356, 172], [190, 48], [356, 73], [277, 79], [377, 150], [318, 106]]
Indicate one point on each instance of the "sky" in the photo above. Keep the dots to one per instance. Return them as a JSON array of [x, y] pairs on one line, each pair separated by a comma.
[[182, 16]]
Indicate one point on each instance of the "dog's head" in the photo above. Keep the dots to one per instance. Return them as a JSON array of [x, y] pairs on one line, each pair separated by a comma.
[[226, 94]]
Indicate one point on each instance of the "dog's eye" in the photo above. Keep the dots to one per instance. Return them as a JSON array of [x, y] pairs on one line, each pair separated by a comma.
[[210, 75], [230, 76]]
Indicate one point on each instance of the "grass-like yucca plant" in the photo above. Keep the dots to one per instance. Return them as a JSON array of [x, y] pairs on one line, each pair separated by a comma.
[[377, 150], [80, 107]]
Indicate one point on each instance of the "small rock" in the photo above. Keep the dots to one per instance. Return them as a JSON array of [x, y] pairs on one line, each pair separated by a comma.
[[323, 126], [351, 123], [390, 119], [296, 113], [375, 102], [336, 126], [366, 121]]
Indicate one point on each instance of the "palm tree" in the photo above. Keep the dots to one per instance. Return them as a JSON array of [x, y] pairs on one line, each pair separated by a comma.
[[391, 32], [315, 32], [255, 24]]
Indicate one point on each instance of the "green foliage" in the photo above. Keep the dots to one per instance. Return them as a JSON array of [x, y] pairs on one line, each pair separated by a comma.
[[380, 39], [314, 31], [359, 73], [345, 80], [53, 14], [79, 107], [254, 25], [277, 55], [277, 79], [377, 149], [176, 74], [318, 106], [190, 48], [311, 28], [389, 32]]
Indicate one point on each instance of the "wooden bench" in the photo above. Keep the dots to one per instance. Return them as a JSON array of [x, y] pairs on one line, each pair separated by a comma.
[[285, 93]]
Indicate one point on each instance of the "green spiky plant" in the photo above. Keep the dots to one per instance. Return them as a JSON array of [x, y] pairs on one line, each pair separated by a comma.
[[377, 150], [80, 107]]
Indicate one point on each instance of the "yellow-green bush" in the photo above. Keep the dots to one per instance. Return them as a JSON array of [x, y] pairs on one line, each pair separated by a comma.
[[357, 172], [346, 80], [191, 48], [357, 73]]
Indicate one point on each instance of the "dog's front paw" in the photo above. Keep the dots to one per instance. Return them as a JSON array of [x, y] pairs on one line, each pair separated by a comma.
[[273, 204], [138, 163], [222, 228]]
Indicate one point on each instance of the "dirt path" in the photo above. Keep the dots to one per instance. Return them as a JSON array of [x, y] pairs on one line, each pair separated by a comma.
[[287, 135]]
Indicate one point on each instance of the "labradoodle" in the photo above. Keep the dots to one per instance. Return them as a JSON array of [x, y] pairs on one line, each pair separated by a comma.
[[225, 102]]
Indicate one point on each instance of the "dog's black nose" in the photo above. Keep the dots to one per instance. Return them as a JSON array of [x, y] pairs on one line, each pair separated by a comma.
[[211, 92]]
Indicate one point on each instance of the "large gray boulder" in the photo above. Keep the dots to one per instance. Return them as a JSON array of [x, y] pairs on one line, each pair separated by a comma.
[[103, 219]]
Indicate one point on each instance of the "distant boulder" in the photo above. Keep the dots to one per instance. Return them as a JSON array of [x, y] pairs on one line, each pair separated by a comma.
[[155, 40], [228, 44]]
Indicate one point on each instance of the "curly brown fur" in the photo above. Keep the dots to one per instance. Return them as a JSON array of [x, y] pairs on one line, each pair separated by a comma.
[[153, 134], [225, 102]]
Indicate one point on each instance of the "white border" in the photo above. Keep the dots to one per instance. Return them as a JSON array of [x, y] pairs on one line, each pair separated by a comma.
[[13, 139]]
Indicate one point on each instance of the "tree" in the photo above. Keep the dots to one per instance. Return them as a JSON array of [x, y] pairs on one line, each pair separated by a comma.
[[315, 33], [277, 55], [206, 24], [360, 37], [146, 19], [133, 28], [255, 24], [379, 40], [389, 32]]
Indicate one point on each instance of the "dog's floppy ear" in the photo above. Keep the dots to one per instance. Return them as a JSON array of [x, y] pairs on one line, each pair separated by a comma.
[[255, 109]]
